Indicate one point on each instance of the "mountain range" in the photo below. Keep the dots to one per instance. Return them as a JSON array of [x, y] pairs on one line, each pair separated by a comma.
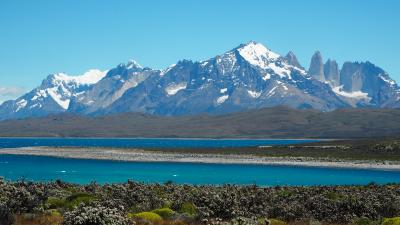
[[250, 76]]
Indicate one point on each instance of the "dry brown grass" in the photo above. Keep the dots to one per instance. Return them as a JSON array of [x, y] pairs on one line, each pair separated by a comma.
[[28, 219]]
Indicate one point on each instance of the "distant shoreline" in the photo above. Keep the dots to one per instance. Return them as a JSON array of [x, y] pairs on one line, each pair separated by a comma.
[[180, 138], [140, 155], [283, 123]]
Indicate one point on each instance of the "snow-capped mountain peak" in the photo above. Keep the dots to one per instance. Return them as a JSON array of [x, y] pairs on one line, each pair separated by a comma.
[[63, 87], [53, 95], [133, 64], [257, 54], [90, 77], [247, 77]]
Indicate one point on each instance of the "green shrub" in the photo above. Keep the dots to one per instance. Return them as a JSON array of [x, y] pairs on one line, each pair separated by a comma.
[[79, 195], [276, 222], [285, 193], [149, 216], [391, 221], [55, 203], [362, 221], [165, 213], [77, 201], [188, 208], [70, 202]]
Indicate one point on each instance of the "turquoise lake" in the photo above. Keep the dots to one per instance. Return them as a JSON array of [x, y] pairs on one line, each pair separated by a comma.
[[37, 168], [84, 171], [143, 142]]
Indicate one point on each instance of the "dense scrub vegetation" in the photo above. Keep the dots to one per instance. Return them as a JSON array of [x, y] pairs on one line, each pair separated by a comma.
[[137, 203], [360, 149]]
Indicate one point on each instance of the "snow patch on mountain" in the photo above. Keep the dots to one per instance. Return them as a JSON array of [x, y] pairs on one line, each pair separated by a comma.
[[355, 94], [163, 72], [272, 92], [222, 99], [173, 88], [254, 94], [21, 104], [267, 76], [387, 80], [280, 70], [61, 100]]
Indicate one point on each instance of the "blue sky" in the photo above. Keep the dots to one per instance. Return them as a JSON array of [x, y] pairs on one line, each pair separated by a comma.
[[46, 36]]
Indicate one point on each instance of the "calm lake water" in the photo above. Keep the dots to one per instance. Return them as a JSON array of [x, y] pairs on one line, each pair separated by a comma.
[[37, 168], [141, 142], [84, 171]]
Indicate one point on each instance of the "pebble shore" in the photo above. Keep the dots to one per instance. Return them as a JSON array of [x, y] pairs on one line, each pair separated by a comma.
[[140, 155]]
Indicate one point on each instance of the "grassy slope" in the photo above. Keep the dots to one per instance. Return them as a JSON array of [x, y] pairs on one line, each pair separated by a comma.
[[277, 122]]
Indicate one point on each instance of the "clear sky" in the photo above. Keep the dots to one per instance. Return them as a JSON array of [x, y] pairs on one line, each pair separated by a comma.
[[39, 37]]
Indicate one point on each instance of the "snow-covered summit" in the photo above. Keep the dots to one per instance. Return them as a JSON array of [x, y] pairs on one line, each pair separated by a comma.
[[62, 87], [247, 77], [257, 54], [53, 95], [90, 77], [133, 64]]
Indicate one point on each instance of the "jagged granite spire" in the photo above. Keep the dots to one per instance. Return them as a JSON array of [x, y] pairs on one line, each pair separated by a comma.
[[291, 59], [316, 69], [331, 72]]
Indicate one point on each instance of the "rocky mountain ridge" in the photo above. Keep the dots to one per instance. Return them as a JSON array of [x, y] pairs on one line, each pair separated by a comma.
[[250, 76]]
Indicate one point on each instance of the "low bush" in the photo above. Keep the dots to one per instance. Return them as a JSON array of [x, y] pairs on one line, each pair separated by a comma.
[[189, 209], [276, 222], [363, 221], [148, 216], [165, 213], [391, 221], [70, 202], [55, 203], [334, 196]]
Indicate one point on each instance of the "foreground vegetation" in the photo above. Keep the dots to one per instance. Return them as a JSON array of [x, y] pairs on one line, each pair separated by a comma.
[[359, 149], [137, 203]]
